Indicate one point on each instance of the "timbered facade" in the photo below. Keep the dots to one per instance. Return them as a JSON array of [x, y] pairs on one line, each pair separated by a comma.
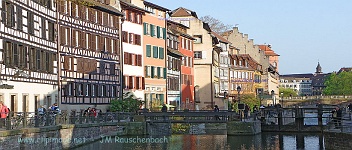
[[174, 57], [89, 52], [28, 56], [133, 65]]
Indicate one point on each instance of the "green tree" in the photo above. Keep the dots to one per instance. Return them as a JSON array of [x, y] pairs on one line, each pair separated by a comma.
[[128, 104], [338, 84], [248, 99], [287, 92]]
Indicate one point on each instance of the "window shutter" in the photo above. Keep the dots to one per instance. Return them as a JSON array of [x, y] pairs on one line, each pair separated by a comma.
[[62, 35], [152, 71], [145, 28], [74, 42], [204, 55], [130, 82], [3, 12], [143, 83], [130, 57], [139, 60], [161, 53], [148, 48], [158, 72], [155, 52], [158, 32], [152, 30], [164, 33], [136, 80], [164, 73], [146, 71], [19, 18]]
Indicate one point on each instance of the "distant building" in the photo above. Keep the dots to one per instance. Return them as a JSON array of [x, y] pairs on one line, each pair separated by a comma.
[[305, 84]]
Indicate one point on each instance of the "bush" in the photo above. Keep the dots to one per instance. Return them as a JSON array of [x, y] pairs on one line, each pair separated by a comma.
[[128, 104]]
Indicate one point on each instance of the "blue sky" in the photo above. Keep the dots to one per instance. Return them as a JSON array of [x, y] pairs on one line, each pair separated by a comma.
[[302, 32]]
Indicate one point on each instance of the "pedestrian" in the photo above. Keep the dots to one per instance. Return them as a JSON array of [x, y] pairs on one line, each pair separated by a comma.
[[350, 107], [246, 111], [216, 109], [337, 116], [164, 108], [4, 111]]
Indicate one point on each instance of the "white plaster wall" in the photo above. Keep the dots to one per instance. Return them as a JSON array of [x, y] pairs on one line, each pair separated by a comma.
[[30, 89]]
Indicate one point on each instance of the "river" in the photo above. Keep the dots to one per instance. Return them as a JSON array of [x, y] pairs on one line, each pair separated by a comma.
[[263, 141]]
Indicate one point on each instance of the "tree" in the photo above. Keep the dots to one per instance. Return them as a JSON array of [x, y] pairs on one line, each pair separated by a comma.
[[216, 25], [338, 84], [248, 99], [128, 104], [287, 92]]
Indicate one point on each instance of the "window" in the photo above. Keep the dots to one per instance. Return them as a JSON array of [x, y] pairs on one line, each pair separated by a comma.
[[30, 24], [198, 54], [124, 36], [198, 39], [8, 16], [155, 52], [51, 31], [146, 28], [161, 53], [148, 51]]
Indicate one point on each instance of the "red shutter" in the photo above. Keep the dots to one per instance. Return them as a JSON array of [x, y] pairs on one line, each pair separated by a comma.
[[143, 83], [125, 56], [130, 57], [139, 58], [130, 81]]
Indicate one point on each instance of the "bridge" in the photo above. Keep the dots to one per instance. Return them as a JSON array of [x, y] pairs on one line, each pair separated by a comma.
[[190, 117]]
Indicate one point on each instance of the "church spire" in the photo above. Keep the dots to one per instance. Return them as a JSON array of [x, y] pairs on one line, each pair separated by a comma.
[[318, 69]]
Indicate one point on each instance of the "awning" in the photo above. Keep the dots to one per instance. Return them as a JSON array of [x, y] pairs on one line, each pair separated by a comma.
[[176, 52]]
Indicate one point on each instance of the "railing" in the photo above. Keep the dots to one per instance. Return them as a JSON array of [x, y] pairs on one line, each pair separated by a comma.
[[18, 120], [317, 97], [296, 119], [190, 117]]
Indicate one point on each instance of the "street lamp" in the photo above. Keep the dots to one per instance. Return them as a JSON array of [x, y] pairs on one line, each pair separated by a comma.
[[226, 104], [260, 98], [282, 99], [272, 95], [238, 91]]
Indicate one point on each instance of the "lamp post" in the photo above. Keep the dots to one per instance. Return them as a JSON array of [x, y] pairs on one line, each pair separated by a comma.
[[196, 96], [272, 95], [260, 98], [239, 101], [282, 99], [225, 102]]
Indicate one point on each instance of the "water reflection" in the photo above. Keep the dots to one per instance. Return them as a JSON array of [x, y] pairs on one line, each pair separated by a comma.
[[264, 141]]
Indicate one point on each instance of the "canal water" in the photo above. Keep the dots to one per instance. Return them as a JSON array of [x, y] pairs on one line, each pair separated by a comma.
[[263, 141]]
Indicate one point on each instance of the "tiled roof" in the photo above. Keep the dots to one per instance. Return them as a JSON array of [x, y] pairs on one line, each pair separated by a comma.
[[129, 5], [104, 7], [268, 51], [182, 12], [155, 6], [222, 39]]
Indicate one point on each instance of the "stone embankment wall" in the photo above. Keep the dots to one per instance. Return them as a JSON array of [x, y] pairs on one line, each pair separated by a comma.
[[65, 136], [337, 140]]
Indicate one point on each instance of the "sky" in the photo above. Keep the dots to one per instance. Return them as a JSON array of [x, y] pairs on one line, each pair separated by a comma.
[[302, 32]]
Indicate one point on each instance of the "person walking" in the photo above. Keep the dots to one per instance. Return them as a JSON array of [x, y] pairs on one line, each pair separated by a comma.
[[216, 109], [4, 111], [337, 116]]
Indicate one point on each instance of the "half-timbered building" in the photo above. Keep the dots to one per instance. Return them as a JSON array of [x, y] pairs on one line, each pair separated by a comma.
[[28, 54], [174, 57], [89, 53]]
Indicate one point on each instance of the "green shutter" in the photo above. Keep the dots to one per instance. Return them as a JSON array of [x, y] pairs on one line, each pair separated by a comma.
[[145, 28], [161, 98], [158, 32], [159, 72], [152, 71], [152, 30], [155, 52], [161, 53], [149, 52], [164, 73], [164, 33]]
